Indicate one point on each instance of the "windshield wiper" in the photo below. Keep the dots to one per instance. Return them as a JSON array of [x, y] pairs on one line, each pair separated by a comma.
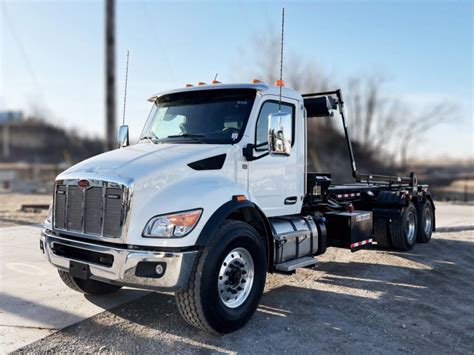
[[186, 135], [151, 138], [194, 137]]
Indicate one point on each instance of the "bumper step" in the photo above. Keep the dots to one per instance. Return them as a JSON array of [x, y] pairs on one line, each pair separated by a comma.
[[292, 265]]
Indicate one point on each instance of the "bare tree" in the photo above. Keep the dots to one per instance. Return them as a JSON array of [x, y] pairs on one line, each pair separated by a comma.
[[263, 62], [383, 126]]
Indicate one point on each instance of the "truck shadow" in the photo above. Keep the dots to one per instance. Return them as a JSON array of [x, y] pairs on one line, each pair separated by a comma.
[[418, 303], [326, 309]]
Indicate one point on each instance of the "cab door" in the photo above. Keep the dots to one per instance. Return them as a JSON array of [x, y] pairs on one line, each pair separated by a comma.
[[276, 181]]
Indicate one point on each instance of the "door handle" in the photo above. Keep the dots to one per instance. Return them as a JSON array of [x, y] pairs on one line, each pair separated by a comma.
[[291, 200]]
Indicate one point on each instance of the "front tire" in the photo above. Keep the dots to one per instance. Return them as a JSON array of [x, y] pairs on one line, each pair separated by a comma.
[[227, 282], [89, 287]]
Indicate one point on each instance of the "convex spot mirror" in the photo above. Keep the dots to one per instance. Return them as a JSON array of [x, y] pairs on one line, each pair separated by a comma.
[[122, 136], [279, 133]]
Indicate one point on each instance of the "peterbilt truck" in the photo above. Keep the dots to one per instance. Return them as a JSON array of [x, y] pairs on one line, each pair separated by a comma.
[[216, 194]]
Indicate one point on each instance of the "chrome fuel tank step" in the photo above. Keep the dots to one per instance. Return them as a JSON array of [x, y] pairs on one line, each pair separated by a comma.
[[295, 237]]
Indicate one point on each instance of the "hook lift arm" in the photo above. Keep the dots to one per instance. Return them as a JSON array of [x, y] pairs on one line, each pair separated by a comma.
[[338, 103]]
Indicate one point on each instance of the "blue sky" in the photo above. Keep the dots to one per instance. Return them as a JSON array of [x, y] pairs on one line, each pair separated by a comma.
[[52, 56]]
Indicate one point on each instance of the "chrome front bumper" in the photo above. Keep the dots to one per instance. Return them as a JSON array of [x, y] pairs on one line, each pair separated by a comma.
[[178, 265]]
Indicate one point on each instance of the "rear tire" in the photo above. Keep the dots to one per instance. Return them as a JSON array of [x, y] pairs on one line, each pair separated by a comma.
[[425, 222], [90, 287], [381, 232], [403, 230], [227, 282]]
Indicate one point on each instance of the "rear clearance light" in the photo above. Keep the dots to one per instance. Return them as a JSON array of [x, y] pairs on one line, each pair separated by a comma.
[[354, 194]]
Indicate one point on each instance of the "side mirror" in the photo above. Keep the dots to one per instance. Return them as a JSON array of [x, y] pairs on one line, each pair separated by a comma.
[[279, 133], [122, 136]]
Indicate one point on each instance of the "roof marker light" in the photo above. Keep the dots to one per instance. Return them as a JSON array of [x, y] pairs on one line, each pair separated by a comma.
[[256, 81], [216, 82], [189, 85], [280, 83]]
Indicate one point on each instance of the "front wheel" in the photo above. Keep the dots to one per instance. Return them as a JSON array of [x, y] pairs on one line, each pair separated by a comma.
[[227, 283]]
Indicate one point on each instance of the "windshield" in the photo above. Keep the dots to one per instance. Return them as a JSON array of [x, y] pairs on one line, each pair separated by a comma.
[[210, 116]]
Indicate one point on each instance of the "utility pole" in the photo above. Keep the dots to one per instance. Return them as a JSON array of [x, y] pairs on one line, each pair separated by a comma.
[[110, 125]]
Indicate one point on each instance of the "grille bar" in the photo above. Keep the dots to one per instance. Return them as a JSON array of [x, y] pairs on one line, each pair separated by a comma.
[[96, 211]]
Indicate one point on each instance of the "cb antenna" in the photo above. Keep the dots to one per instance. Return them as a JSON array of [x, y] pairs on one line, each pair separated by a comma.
[[280, 82], [125, 93]]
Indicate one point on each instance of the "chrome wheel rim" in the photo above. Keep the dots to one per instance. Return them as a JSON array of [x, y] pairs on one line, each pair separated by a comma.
[[410, 226], [235, 278], [428, 220]]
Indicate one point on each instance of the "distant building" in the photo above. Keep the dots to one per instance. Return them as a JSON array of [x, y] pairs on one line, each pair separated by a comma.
[[10, 116]]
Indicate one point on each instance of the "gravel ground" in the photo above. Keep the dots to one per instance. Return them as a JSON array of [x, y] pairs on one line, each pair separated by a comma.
[[371, 301]]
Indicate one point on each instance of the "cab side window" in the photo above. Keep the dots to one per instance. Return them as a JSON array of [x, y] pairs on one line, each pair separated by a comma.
[[261, 135]]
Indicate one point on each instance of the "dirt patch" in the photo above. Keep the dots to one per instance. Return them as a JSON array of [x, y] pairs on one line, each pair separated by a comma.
[[11, 213], [372, 301]]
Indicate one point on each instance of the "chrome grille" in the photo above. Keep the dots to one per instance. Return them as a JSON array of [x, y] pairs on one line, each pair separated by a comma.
[[93, 219], [98, 210], [75, 199], [113, 203]]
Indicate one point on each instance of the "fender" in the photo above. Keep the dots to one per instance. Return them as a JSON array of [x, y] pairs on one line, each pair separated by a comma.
[[245, 211]]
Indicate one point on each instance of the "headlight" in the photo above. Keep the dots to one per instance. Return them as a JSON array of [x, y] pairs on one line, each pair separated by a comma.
[[172, 225]]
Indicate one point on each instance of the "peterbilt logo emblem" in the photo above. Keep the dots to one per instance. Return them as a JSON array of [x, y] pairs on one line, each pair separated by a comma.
[[83, 183]]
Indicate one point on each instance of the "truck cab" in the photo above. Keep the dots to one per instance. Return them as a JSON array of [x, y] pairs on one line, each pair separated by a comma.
[[214, 195]]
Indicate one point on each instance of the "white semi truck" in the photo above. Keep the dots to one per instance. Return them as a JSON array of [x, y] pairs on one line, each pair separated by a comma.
[[215, 195]]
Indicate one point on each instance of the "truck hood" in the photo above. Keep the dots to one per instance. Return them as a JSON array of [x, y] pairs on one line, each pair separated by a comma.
[[141, 159]]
